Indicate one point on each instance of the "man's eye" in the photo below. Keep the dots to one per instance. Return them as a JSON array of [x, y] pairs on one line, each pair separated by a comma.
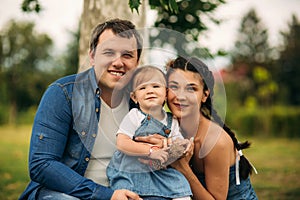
[[108, 53], [127, 55]]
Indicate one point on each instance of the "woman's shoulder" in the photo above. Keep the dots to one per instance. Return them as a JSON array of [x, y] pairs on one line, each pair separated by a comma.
[[224, 138], [215, 139]]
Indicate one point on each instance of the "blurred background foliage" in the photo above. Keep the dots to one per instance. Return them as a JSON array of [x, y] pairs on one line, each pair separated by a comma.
[[261, 81]]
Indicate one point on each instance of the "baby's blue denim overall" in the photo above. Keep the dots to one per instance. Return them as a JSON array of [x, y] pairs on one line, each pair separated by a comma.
[[127, 172], [244, 191]]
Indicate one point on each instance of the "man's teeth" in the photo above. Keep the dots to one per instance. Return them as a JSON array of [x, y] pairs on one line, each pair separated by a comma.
[[117, 73]]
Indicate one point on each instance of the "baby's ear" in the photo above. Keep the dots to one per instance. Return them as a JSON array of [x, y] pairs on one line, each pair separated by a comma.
[[133, 97]]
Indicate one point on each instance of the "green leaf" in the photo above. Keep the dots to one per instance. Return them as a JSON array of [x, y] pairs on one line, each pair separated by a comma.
[[173, 6], [31, 6], [134, 5]]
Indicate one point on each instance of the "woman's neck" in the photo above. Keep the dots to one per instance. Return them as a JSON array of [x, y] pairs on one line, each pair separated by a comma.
[[190, 125]]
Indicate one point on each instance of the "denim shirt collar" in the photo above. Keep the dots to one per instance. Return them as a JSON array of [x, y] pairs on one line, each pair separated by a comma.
[[85, 96]]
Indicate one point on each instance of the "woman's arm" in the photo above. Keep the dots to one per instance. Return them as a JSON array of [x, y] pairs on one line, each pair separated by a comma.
[[182, 165], [216, 169]]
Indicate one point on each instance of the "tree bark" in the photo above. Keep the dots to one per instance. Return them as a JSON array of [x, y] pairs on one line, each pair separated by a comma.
[[98, 11]]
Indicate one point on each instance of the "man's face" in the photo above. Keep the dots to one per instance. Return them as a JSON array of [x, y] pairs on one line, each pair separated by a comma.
[[114, 57]]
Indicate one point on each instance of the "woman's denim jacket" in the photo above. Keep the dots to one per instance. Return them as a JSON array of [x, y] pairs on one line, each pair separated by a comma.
[[63, 136]]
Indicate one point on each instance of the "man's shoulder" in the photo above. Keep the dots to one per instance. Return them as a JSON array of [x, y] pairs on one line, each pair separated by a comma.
[[67, 79], [71, 79]]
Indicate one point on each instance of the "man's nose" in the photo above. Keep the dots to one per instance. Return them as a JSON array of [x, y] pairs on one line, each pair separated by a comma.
[[118, 62]]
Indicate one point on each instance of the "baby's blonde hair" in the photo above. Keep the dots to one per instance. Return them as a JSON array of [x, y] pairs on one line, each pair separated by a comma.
[[147, 74]]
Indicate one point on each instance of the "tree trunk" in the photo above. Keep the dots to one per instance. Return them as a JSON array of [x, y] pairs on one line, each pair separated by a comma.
[[97, 11]]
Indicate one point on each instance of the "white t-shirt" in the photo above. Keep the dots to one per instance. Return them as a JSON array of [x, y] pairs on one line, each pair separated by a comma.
[[105, 144], [133, 120]]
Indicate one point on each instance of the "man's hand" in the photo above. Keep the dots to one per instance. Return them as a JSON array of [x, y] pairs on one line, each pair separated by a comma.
[[125, 195]]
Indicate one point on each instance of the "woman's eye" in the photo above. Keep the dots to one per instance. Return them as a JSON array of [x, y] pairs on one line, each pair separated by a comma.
[[173, 87], [191, 89]]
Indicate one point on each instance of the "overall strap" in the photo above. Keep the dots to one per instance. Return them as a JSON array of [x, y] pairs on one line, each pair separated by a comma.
[[169, 123]]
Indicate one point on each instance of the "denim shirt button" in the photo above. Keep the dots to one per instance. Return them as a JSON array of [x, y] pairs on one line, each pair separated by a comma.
[[94, 135], [97, 109], [87, 159], [83, 133]]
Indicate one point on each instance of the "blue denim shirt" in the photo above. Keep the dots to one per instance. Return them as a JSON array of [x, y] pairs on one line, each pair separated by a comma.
[[63, 137]]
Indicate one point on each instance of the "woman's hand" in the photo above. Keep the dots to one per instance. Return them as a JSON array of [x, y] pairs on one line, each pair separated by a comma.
[[159, 154], [181, 163], [125, 195]]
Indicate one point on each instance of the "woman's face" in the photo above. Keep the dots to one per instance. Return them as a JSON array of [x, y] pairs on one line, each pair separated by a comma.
[[185, 93]]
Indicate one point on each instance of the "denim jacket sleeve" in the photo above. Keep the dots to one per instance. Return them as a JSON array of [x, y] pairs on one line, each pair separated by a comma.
[[50, 139]]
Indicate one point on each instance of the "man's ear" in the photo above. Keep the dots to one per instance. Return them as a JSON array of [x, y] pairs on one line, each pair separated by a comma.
[[92, 57], [205, 96], [133, 97]]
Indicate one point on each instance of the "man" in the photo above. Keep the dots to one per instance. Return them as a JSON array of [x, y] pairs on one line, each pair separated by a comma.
[[73, 135]]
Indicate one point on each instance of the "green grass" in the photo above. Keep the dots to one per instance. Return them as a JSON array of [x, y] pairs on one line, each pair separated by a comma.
[[14, 142], [276, 159], [278, 163]]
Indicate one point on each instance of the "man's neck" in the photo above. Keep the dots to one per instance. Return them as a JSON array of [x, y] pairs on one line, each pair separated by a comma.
[[112, 98]]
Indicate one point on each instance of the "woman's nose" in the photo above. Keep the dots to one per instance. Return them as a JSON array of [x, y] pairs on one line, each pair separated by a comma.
[[180, 95]]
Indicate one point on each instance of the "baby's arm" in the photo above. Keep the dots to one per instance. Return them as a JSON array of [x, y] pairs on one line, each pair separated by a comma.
[[128, 146]]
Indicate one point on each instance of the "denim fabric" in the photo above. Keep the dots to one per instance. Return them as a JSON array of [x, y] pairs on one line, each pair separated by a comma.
[[62, 138], [244, 191], [45, 194], [127, 172]]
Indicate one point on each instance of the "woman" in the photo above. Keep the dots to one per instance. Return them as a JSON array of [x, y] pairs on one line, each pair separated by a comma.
[[217, 153]]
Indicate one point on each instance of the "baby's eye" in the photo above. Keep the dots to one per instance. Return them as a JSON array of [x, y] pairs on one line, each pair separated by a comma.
[[142, 88], [156, 86]]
